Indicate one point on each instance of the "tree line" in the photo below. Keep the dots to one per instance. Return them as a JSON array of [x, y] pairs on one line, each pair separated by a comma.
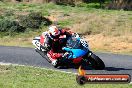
[[111, 4]]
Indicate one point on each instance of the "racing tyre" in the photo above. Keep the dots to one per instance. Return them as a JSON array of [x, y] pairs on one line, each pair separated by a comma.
[[96, 62]]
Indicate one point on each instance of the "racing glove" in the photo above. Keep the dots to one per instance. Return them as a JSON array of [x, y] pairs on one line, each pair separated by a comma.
[[66, 55], [47, 47]]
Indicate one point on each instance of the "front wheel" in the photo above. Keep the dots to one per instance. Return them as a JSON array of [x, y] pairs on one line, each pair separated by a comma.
[[96, 62]]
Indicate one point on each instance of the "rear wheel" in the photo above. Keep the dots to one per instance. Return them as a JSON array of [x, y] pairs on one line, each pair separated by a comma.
[[96, 62]]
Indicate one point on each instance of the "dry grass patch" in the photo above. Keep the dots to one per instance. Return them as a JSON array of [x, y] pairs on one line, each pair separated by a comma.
[[112, 44], [23, 42], [107, 32], [108, 24], [4, 69]]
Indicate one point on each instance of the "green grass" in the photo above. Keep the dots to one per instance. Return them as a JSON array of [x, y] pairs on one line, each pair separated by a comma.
[[65, 23], [31, 77]]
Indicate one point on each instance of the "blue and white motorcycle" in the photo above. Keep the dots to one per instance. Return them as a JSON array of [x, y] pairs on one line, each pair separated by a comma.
[[76, 53]]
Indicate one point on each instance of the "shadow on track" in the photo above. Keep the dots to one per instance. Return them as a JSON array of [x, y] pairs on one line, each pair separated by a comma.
[[115, 69], [106, 68]]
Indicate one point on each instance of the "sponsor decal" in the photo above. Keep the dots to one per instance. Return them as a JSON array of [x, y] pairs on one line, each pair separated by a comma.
[[83, 78]]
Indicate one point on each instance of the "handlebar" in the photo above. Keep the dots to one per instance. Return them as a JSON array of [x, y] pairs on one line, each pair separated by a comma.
[[66, 49]]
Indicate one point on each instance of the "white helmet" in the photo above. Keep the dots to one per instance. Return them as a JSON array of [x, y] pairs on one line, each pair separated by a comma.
[[54, 30]]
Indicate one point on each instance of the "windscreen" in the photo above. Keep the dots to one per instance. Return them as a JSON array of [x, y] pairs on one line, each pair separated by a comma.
[[73, 43]]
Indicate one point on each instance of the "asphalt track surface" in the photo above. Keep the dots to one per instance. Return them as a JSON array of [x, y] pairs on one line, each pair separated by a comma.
[[115, 63]]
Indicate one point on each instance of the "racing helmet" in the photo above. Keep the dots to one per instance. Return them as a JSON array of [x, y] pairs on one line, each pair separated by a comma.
[[54, 31]]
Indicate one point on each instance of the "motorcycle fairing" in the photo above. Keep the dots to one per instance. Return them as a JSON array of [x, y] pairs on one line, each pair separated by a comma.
[[36, 42], [75, 53]]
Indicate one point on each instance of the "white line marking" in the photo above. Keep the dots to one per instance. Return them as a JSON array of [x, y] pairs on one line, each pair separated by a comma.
[[57, 70], [2, 63]]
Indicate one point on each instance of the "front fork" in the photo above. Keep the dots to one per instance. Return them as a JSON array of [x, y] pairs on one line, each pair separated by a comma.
[[86, 56], [85, 60]]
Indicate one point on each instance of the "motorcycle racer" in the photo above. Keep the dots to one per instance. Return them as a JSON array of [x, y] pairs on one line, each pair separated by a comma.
[[54, 40], [64, 48]]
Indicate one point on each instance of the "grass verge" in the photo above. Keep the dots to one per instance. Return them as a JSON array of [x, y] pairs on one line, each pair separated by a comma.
[[30, 77]]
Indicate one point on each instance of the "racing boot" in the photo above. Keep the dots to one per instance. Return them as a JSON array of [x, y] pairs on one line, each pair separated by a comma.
[[55, 63]]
